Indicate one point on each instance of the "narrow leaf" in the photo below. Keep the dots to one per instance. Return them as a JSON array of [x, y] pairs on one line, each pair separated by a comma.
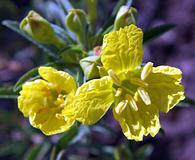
[[144, 152], [187, 102], [32, 73], [64, 141], [157, 31], [122, 152], [7, 92], [60, 32], [72, 55], [111, 19], [67, 137], [33, 152], [13, 25]]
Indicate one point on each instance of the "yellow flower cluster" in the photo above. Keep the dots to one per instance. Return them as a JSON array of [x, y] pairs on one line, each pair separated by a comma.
[[136, 94]]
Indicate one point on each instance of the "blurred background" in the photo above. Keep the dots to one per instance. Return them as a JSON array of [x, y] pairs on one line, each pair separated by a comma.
[[175, 48]]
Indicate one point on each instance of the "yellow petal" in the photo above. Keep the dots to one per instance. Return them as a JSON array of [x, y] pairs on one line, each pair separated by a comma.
[[69, 109], [164, 87], [122, 50], [33, 96], [49, 123], [62, 80], [136, 124], [93, 99]]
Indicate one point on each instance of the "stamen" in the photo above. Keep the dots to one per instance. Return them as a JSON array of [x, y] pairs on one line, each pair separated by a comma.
[[132, 102], [60, 100], [118, 92], [121, 106], [144, 95], [114, 77], [146, 70], [59, 116], [139, 82]]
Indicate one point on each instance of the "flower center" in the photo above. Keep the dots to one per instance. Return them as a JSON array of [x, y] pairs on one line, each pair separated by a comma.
[[127, 88], [60, 100]]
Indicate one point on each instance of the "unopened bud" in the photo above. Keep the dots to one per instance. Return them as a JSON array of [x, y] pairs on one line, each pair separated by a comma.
[[125, 17], [39, 29], [76, 22]]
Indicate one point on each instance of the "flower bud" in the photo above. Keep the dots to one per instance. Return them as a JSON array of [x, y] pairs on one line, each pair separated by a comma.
[[39, 29], [125, 17], [76, 22]]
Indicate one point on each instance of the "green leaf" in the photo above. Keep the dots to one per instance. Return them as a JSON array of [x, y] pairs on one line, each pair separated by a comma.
[[187, 102], [27, 76], [7, 92], [72, 55], [157, 31], [122, 152], [108, 26], [60, 154], [33, 152], [66, 5], [37, 151], [67, 137], [111, 19], [60, 32], [144, 151], [53, 153], [90, 67], [64, 141], [79, 76], [13, 25], [14, 148]]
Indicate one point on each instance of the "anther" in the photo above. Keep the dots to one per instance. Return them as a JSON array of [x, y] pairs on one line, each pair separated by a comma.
[[139, 82], [118, 92], [144, 95], [146, 70], [132, 102], [121, 106], [114, 77]]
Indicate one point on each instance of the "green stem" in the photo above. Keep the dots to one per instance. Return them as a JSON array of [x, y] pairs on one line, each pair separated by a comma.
[[92, 14]]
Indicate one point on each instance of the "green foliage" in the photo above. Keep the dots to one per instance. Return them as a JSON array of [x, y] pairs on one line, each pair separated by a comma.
[[155, 32], [30, 75], [7, 92], [186, 102]]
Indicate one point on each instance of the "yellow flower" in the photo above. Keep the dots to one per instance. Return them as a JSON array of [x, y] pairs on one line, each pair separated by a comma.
[[44, 100], [137, 94]]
